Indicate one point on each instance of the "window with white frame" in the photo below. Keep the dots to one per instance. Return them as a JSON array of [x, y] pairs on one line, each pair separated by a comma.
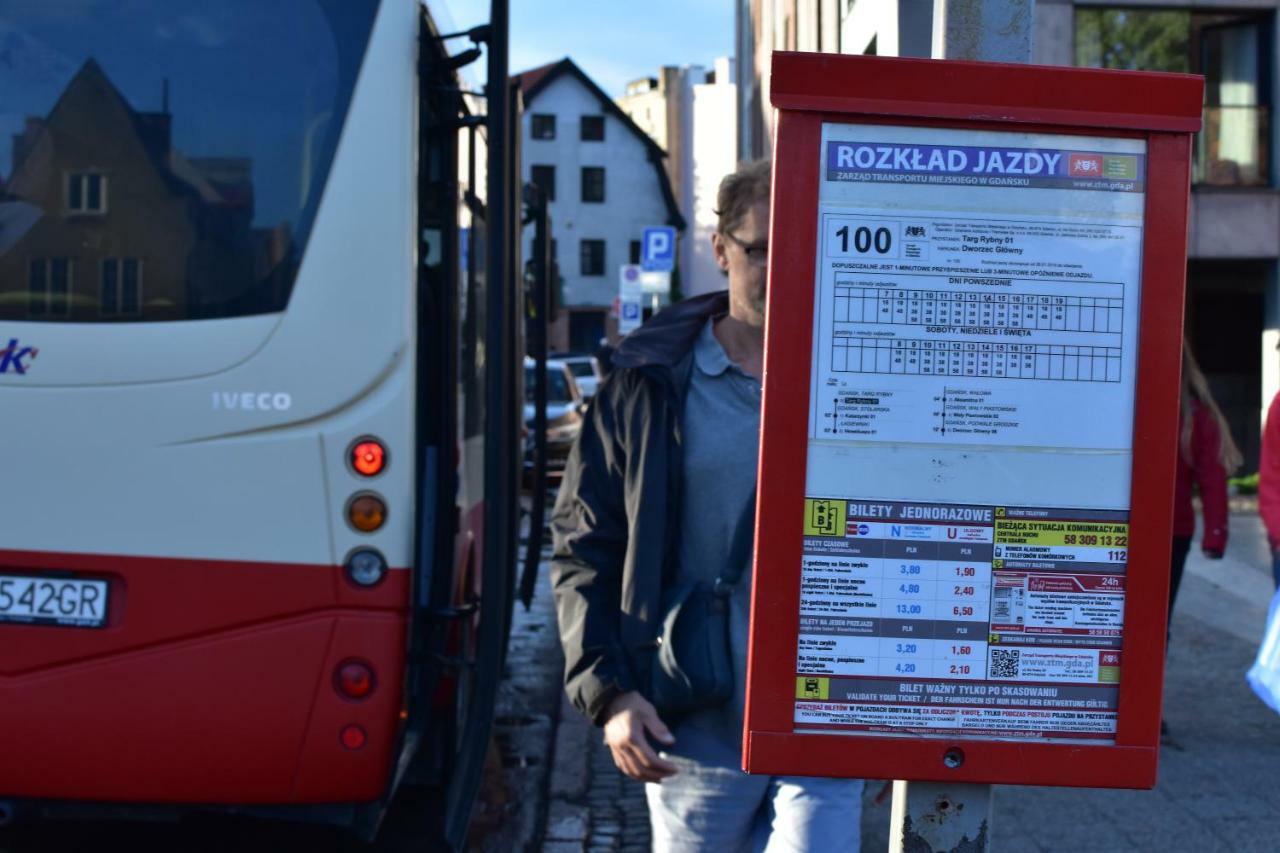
[[86, 192], [591, 258], [121, 289], [544, 177], [593, 184], [543, 126], [49, 287], [592, 128]]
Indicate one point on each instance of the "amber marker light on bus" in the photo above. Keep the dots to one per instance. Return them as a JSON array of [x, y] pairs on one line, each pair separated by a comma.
[[366, 512], [354, 679], [353, 737], [368, 457], [365, 567]]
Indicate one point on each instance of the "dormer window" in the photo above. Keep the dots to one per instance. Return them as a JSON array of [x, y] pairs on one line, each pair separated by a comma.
[[86, 192]]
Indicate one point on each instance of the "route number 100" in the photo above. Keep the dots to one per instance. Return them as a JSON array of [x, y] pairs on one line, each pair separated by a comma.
[[847, 238], [864, 239]]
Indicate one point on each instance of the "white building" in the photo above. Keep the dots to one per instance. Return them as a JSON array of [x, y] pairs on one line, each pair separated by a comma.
[[606, 182], [692, 112], [713, 153]]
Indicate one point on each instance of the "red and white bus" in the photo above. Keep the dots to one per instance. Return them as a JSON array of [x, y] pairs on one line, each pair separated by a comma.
[[259, 421]]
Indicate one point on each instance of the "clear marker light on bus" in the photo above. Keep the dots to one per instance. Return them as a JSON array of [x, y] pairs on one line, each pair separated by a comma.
[[366, 512], [354, 679], [368, 457], [366, 567]]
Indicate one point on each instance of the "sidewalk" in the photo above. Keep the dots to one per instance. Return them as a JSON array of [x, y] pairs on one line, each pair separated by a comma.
[[1219, 785]]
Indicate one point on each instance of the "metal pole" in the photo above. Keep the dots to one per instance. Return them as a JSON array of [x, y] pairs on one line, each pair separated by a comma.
[[988, 30], [933, 817], [942, 817]]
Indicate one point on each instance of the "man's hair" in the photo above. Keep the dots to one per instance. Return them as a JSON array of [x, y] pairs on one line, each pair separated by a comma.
[[739, 191]]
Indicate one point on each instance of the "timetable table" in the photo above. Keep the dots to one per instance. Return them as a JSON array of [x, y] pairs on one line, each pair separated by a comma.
[[855, 304], [933, 357]]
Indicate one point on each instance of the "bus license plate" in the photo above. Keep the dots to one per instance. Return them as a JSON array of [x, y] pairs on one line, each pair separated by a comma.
[[53, 601]]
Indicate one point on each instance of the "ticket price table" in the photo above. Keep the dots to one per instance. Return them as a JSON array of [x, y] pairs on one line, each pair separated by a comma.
[[897, 600]]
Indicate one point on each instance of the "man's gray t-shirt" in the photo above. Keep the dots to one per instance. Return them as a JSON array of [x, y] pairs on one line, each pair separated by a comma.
[[721, 429]]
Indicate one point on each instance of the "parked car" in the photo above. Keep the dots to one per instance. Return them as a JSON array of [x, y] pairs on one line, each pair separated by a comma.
[[565, 408], [586, 370]]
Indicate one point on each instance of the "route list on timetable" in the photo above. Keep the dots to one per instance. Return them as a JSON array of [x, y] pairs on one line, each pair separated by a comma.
[[976, 292]]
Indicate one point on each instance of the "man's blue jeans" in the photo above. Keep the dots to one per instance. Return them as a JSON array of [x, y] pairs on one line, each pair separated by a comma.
[[711, 807]]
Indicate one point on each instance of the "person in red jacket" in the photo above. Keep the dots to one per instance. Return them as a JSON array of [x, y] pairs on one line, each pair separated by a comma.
[[1269, 484], [1206, 456]]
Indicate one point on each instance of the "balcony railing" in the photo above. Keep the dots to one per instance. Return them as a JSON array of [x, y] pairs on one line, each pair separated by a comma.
[[1232, 149]]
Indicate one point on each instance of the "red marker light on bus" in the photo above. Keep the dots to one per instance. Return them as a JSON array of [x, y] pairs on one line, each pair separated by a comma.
[[353, 737], [368, 457], [354, 679], [366, 512]]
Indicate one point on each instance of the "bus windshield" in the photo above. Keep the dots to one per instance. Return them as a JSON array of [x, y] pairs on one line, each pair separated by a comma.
[[163, 160]]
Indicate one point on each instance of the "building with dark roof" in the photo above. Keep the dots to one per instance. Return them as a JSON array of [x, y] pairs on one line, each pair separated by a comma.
[[607, 183]]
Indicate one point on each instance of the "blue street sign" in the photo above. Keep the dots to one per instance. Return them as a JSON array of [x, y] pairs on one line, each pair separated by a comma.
[[658, 250], [631, 310]]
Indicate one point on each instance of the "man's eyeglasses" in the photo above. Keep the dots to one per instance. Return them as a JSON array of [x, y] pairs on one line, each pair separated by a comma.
[[757, 253]]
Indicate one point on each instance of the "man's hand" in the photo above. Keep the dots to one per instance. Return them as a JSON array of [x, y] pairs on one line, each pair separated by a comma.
[[630, 718]]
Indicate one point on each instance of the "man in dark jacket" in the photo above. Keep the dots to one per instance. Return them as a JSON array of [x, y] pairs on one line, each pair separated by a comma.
[[651, 496]]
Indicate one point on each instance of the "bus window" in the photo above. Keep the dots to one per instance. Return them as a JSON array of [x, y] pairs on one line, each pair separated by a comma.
[[163, 159]]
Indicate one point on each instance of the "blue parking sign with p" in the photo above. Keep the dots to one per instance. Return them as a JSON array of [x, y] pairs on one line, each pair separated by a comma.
[[658, 250]]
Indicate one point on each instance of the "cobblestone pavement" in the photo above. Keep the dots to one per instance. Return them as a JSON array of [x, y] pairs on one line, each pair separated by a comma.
[[511, 812], [592, 805], [1219, 783]]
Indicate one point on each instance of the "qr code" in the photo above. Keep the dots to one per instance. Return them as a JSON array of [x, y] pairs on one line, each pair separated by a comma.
[[1004, 663]]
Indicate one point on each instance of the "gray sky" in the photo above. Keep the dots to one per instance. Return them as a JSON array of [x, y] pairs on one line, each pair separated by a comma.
[[613, 41]]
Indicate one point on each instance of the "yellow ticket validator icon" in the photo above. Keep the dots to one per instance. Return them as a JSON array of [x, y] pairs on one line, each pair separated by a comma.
[[824, 518], [812, 687]]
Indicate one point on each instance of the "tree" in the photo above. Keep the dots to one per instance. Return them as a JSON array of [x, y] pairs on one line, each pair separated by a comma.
[[1134, 39]]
